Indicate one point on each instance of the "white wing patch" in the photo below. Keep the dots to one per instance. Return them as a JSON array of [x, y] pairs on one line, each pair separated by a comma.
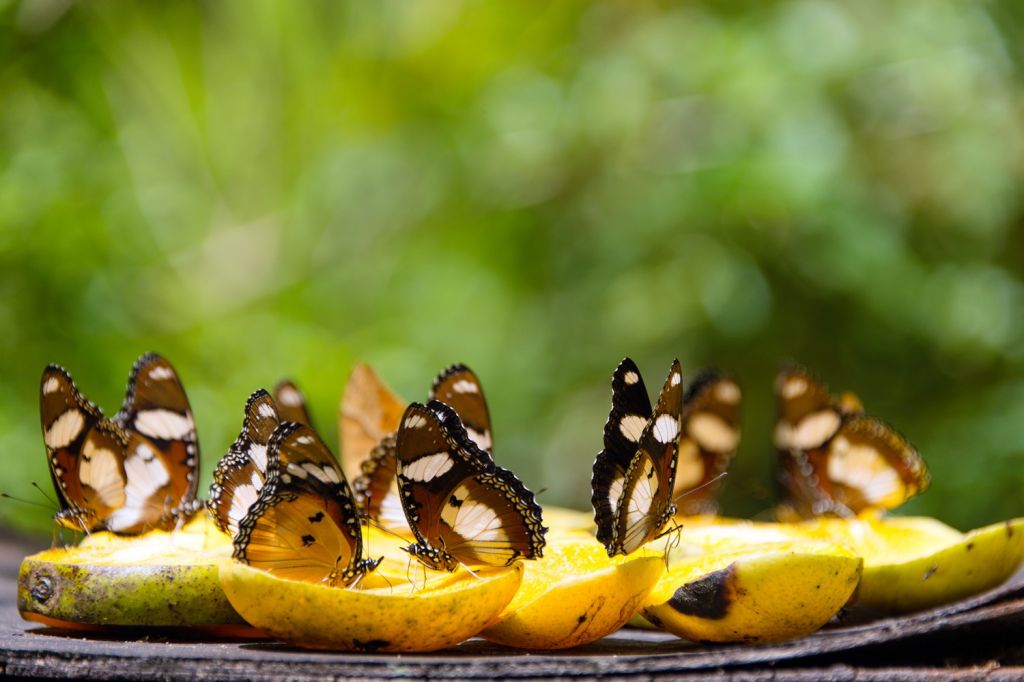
[[862, 468], [632, 427], [161, 372], [100, 471], [65, 429], [465, 386], [51, 386], [145, 474], [812, 431], [676, 378], [428, 467], [243, 497], [727, 392], [473, 520], [793, 387], [267, 410], [258, 454], [640, 503], [414, 421], [482, 439], [289, 396], [666, 428], [164, 424], [712, 432], [631, 378], [615, 489]]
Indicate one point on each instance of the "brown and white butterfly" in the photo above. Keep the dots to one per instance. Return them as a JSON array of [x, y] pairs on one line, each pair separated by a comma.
[[834, 460], [129, 474], [462, 507], [240, 474], [304, 524], [376, 485], [710, 437], [634, 476]]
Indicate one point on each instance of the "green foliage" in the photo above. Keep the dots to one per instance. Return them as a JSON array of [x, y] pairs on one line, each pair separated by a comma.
[[257, 189]]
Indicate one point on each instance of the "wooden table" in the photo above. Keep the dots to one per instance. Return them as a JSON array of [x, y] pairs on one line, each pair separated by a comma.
[[980, 638]]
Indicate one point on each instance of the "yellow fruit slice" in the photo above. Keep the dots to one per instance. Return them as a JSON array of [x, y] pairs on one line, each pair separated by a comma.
[[159, 579], [575, 594], [765, 593], [914, 562], [405, 617]]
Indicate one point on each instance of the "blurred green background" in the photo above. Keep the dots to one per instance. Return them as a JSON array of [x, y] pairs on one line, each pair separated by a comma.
[[259, 189]]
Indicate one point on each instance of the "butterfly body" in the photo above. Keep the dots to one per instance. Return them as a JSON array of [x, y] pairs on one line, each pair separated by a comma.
[[634, 475], [129, 474], [834, 459], [461, 507]]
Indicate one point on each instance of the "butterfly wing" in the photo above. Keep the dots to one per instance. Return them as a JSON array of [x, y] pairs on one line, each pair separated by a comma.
[[304, 524], [369, 412], [459, 388], [710, 437], [645, 504], [162, 462], [291, 403], [376, 487], [240, 474], [85, 453], [867, 465], [459, 504], [629, 416]]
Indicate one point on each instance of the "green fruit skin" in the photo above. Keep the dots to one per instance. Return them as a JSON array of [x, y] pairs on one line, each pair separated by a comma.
[[982, 560], [175, 596]]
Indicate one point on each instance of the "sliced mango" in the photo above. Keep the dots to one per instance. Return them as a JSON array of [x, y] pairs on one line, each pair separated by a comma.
[[914, 563], [763, 593], [574, 595], [405, 617], [159, 579]]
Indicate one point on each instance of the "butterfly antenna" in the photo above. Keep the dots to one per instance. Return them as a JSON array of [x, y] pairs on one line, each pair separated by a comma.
[[470, 571], [371, 522], [7, 496], [541, 491], [42, 492], [701, 486]]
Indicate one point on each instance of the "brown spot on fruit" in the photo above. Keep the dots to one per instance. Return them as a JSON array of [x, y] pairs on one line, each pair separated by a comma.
[[708, 597]]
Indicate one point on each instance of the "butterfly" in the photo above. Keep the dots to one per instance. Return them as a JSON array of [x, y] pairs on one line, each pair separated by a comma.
[[376, 485], [462, 507], [134, 472], [304, 524], [241, 472], [369, 412], [709, 439], [835, 460], [634, 476]]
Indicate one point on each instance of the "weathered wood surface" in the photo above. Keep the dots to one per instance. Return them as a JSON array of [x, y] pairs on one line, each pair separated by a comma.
[[979, 638]]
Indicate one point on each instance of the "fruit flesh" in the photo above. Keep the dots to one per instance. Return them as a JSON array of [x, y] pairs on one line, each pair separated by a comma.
[[575, 595], [404, 617]]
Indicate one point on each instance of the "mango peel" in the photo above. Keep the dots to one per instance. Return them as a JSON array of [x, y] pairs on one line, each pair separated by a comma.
[[405, 618], [766, 593], [160, 579], [575, 595], [916, 563]]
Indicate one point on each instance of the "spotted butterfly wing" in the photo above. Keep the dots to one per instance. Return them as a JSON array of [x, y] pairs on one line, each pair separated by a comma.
[[129, 474], [460, 389], [376, 487], [291, 403], [85, 452], [834, 460], [304, 524], [369, 411], [630, 413], [462, 508], [241, 473], [708, 443], [645, 504]]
